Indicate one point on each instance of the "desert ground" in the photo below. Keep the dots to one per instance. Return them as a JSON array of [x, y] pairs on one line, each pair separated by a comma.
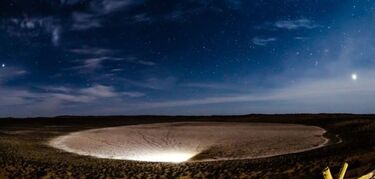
[[26, 151], [192, 141]]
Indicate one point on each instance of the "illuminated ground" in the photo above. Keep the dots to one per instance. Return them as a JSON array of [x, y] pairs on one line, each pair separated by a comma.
[[192, 141]]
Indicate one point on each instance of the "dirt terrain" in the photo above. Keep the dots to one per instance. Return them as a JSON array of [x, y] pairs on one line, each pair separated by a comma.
[[24, 152], [178, 142]]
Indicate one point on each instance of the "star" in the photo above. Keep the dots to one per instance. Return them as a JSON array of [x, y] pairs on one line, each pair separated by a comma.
[[3, 65], [354, 77]]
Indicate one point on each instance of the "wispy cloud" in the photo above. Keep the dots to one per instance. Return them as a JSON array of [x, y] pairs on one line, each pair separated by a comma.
[[133, 94], [84, 21], [17, 96], [72, 98], [56, 32], [82, 95], [91, 64], [56, 89], [99, 9], [59, 100], [34, 26], [295, 24], [153, 83], [10, 73], [99, 91], [110, 6], [214, 86], [138, 61], [263, 41], [52, 101], [101, 55], [301, 38], [183, 10], [70, 2], [117, 70], [92, 51], [148, 63], [142, 17]]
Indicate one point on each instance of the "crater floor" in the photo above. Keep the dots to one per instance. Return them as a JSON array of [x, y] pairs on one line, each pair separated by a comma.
[[192, 141]]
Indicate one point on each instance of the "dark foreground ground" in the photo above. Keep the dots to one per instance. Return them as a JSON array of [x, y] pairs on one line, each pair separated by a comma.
[[24, 153]]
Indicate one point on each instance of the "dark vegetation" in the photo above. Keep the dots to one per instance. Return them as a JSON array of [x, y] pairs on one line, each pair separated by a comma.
[[24, 153]]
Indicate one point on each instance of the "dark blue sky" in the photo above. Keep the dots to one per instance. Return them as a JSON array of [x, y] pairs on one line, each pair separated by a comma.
[[109, 57]]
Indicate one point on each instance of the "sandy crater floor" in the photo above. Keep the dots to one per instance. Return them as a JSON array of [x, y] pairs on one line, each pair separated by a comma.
[[192, 141]]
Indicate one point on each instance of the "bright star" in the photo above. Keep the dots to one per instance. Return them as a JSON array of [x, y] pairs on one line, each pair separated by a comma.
[[3, 65], [354, 76]]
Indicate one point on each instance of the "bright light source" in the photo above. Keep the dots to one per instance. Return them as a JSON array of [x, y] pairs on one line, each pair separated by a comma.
[[173, 157], [354, 76]]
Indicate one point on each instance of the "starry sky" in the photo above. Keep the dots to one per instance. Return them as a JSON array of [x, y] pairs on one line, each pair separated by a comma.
[[190, 57]]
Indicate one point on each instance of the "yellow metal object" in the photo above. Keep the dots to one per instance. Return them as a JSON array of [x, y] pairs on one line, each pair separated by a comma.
[[343, 170], [370, 175], [327, 173]]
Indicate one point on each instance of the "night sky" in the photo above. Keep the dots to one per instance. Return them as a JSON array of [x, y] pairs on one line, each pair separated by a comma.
[[190, 57]]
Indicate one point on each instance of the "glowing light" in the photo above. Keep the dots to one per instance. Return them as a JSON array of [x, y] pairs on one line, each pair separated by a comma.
[[3, 65], [172, 157], [354, 76]]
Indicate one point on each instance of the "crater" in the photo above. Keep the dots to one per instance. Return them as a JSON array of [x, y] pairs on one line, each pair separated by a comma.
[[192, 141]]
